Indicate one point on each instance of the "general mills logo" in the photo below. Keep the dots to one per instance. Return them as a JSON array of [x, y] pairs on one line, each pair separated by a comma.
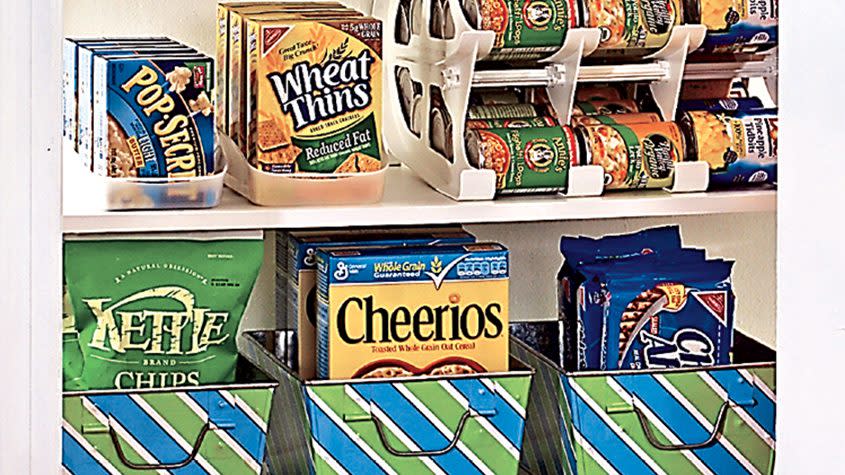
[[341, 272], [310, 258]]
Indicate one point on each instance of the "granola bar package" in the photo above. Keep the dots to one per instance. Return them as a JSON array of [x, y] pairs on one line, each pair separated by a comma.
[[153, 116], [412, 311], [159, 311]]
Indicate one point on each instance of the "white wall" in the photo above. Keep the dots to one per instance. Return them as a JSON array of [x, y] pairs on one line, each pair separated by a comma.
[[749, 239]]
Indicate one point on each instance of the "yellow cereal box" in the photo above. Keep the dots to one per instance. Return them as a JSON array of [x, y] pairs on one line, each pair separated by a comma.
[[231, 51], [412, 311], [314, 94]]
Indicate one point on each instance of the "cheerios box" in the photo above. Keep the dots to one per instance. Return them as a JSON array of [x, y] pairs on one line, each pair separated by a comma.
[[153, 116], [314, 94], [412, 311], [300, 250]]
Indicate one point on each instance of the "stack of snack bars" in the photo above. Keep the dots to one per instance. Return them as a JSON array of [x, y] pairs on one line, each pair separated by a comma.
[[300, 86], [139, 107], [643, 301], [395, 303]]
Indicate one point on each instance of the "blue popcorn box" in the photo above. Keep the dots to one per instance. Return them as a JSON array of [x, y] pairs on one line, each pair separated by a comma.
[[153, 116]]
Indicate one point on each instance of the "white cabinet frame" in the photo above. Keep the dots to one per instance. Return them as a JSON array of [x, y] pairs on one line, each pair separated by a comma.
[[30, 236]]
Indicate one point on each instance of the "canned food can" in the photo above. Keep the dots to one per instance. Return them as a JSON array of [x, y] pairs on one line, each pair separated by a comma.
[[598, 93], [722, 105], [510, 111], [634, 155], [735, 26], [491, 97], [537, 95], [403, 23], [529, 160], [525, 29], [624, 106], [633, 23], [740, 147], [545, 121], [612, 119]]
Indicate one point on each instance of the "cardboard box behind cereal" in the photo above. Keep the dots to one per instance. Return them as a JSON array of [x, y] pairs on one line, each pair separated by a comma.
[[397, 312], [317, 101]]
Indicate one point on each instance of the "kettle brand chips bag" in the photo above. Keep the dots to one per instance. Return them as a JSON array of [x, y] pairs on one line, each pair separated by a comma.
[[160, 311]]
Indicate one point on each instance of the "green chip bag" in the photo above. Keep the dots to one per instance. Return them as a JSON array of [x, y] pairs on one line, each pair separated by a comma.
[[159, 311]]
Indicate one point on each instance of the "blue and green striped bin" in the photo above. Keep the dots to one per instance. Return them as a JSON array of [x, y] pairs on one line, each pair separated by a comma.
[[717, 420], [202, 430], [444, 425]]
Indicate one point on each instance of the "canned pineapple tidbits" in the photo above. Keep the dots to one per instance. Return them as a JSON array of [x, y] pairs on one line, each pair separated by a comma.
[[735, 26], [634, 155], [314, 95], [526, 160], [433, 310], [741, 147]]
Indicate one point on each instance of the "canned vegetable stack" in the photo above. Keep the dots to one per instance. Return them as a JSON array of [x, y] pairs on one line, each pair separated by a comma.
[[529, 30], [531, 153]]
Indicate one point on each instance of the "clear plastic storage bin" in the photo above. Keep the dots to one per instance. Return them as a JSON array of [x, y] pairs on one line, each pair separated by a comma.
[[301, 189]]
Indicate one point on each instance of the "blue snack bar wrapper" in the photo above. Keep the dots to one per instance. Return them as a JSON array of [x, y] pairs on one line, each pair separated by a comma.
[[673, 315], [590, 325], [582, 250]]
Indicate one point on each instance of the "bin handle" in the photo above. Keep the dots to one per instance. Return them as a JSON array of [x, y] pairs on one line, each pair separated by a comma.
[[159, 466], [717, 431], [421, 453]]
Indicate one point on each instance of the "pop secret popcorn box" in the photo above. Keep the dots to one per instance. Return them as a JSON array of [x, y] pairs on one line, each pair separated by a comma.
[[153, 116], [395, 312]]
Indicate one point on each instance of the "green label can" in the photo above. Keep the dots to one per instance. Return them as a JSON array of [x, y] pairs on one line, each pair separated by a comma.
[[526, 160], [633, 23], [634, 155], [525, 29], [518, 123], [509, 111], [619, 106], [611, 119]]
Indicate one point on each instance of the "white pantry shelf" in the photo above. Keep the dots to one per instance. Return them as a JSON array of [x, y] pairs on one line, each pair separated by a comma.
[[407, 201]]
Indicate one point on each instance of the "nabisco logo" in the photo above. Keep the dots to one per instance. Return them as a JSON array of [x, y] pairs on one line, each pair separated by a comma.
[[313, 93], [188, 331]]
